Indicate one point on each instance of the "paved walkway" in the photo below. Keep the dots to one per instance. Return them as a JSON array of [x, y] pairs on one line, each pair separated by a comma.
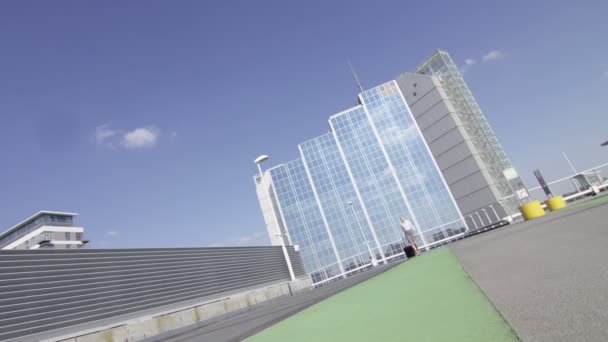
[[239, 325], [548, 277]]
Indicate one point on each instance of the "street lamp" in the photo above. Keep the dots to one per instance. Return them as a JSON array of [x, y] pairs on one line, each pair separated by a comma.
[[374, 262], [286, 255], [258, 161]]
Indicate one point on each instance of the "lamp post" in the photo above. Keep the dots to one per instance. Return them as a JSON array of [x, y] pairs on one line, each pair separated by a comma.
[[286, 255], [258, 161], [374, 262]]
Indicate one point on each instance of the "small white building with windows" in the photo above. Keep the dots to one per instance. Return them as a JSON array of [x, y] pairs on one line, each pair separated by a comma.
[[45, 229]]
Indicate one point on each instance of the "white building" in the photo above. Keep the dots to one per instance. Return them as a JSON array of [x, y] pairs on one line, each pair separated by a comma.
[[46, 229]]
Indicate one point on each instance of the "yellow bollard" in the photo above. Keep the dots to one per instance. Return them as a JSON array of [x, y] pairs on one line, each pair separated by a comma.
[[532, 210], [555, 203]]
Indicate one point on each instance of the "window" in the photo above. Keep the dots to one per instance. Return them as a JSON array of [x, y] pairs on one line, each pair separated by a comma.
[[79, 236], [414, 93], [67, 236], [415, 85]]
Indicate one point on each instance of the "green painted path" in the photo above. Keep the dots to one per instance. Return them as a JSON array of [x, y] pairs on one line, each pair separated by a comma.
[[429, 298]]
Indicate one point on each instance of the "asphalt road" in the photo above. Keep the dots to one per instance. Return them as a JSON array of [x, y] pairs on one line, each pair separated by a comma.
[[548, 277], [237, 327]]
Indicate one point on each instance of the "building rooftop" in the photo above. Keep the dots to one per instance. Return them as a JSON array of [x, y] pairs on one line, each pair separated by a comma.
[[33, 217]]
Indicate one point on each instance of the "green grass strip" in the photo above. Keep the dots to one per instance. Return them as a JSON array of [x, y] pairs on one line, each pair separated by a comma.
[[597, 200], [429, 298]]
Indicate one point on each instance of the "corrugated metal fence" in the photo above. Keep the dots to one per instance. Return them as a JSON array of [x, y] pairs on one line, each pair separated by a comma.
[[42, 290]]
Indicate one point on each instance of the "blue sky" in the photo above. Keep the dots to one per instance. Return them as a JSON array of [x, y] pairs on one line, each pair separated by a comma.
[[145, 117]]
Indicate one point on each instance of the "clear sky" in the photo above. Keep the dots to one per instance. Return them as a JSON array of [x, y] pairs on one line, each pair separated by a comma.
[[145, 116]]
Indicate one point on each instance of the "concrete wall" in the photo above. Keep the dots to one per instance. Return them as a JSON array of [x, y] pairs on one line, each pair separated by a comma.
[[270, 211], [149, 326], [43, 290], [451, 145]]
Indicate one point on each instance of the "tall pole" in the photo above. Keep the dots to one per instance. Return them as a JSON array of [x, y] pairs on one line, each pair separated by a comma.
[[573, 170], [569, 163], [280, 235], [356, 77], [374, 262], [287, 259]]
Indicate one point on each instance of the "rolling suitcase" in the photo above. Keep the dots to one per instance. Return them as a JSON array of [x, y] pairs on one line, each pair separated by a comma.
[[409, 251]]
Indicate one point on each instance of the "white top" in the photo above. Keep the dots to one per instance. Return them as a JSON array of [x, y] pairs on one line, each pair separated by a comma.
[[408, 228]]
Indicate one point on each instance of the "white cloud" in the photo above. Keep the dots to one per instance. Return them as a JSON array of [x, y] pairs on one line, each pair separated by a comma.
[[137, 138], [104, 132], [467, 64], [112, 233], [174, 134], [141, 137], [492, 55]]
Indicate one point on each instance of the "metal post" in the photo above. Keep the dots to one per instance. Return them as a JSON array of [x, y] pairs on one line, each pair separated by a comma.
[[569, 163], [494, 211], [573, 170], [374, 262], [487, 216], [287, 259], [473, 219], [479, 217]]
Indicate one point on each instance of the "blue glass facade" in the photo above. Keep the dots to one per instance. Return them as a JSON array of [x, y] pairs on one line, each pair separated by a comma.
[[341, 201], [338, 199], [299, 209], [429, 198]]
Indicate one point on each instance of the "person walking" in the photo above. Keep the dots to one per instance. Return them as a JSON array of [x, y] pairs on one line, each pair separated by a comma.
[[410, 232]]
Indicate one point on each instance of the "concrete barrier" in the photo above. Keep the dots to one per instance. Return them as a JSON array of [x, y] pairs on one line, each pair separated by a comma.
[[555, 203], [532, 210], [145, 327], [49, 293]]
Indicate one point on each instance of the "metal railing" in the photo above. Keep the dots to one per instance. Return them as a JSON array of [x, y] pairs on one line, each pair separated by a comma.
[[568, 188]]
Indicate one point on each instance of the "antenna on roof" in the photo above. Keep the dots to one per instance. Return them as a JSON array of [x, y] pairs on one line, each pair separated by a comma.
[[355, 74]]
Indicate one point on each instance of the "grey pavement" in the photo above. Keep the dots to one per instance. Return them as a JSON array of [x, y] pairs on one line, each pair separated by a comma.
[[548, 277], [236, 327]]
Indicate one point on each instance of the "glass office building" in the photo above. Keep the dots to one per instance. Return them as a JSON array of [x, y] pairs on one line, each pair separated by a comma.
[[342, 199]]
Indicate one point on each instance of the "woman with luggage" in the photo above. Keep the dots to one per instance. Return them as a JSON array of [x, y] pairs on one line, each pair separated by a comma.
[[410, 233]]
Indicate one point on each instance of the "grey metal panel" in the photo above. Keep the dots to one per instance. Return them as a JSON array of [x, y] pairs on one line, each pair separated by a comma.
[[432, 115], [471, 183], [461, 170], [476, 200], [439, 128], [411, 83], [42, 290], [423, 101], [450, 146]]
